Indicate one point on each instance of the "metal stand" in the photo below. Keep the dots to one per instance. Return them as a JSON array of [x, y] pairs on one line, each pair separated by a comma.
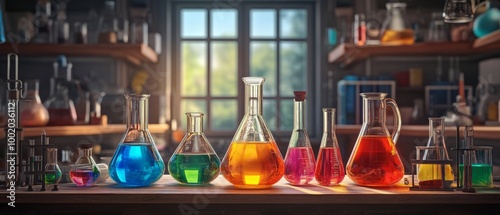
[[442, 164], [37, 164]]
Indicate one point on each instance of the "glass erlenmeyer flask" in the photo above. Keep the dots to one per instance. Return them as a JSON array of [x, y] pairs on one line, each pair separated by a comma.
[[60, 107], [136, 162], [33, 113], [85, 171], [374, 160], [429, 175], [55, 176], [299, 158], [329, 167], [253, 160], [194, 161], [396, 29]]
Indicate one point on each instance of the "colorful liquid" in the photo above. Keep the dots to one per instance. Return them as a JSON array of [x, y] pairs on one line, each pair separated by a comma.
[[253, 165], [136, 165], [482, 175], [375, 162], [429, 176], [194, 168], [53, 178], [84, 178], [404, 37], [330, 168], [65, 116], [299, 165]]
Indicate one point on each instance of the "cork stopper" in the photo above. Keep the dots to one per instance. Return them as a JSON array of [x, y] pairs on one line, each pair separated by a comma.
[[300, 95]]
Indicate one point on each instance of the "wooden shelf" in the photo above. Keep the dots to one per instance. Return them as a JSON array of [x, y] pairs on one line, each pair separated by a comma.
[[133, 53], [79, 130], [346, 54], [486, 132]]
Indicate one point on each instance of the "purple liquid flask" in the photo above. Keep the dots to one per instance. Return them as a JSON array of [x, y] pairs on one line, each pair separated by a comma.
[[329, 167], [299, 158]]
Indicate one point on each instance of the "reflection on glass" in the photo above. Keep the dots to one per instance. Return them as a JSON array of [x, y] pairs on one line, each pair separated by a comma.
[[223, 22], [224, 73], [458, 11], [223, 115], [193, 23], [194, 69], [263, 64], [263, 23], [193, 105], [270, 113], [286, 115], [293, 67], [293, 23]]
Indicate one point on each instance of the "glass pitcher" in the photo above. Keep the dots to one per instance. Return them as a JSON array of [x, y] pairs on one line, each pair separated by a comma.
[[253, 160], [374, 160], [396, 29]]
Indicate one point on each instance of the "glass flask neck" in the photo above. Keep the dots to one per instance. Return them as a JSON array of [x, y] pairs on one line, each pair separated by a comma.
[[253, 95], [328, 120], [298, 115], [85, 152], [436, 131], [31, 88], [137, 111], [52, 156], [195, 122], [395, 8], [374, 108]]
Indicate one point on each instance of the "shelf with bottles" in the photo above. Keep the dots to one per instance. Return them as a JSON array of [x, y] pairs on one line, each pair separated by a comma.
[[133, 53], [79, 130]]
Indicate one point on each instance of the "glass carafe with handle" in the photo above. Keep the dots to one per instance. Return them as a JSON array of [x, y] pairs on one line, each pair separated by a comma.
[[253, 160], [374, 160]]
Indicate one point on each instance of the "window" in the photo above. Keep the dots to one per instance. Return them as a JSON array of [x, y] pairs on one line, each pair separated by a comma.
[[217, 46]]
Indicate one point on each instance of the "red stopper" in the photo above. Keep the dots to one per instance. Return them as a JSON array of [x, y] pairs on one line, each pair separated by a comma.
[[300, 95]]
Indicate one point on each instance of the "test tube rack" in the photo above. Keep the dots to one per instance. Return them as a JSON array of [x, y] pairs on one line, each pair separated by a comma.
[[37, 166], [459, 153], [442, 163]]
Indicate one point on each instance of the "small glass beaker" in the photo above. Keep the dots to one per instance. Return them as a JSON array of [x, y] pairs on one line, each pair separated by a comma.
[[482, 167], [396, 29]]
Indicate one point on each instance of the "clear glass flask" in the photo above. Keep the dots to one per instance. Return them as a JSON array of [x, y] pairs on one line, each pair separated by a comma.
[[32, 111], [136, 162], [85, 171], [194, 161], [375, 161], [253, 160], [429, 175], [108, 24], [329, 167], [55, 176], [60, 107], [299, 158], [396, 29]]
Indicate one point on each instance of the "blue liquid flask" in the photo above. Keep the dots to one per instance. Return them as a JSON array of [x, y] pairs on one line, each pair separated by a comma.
[[136, 162]]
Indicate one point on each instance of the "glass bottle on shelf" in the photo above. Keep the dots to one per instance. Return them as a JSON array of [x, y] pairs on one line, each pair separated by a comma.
[[139, 31], [194, 161], [429, 175], [55, 175], [253, 160], [329, 167], [61, 26], [108, 24], [136, 162], [32, 111], [396, 29], [299, 158], [43, 23], [85, 171], [60, 107]]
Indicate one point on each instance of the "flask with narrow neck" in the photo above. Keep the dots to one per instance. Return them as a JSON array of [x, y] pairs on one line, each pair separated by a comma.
[[85, 171], [60, 107], [329, 167], [194, 161], [55, 174], [375, 161], [396, 29], [253, 160], [299, 158], [136, 162], [33, 113]]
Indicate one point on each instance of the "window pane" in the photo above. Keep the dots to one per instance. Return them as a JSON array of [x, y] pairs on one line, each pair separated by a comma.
[[293, 23], [224, 63], [293, 67], [193, 23], [262, 23], [270, 113], [194, 69], [263, 64], [223, 115], [286, 115], [224, 23], [192, 105]]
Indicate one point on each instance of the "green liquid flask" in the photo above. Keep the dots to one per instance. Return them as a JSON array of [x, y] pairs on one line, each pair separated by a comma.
[[194, 161]]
